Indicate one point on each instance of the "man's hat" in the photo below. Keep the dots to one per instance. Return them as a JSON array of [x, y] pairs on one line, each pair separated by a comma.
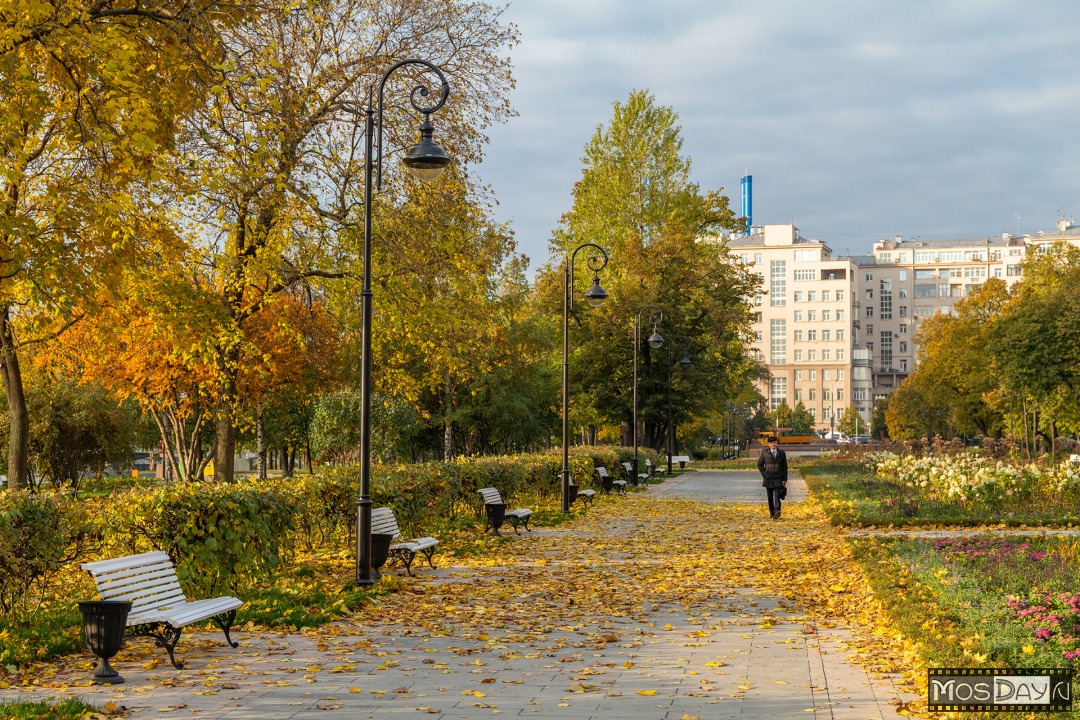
[[773, 438]]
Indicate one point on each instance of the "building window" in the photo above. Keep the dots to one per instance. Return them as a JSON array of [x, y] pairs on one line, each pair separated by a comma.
[[777, 392], [813, 374], [924, 274], [778, 283], [778, 341], [903, 347], [903, 311], [839, 374], [813, 393], [811, 355], [757, 258], [811, 315], [925, 290], [806, 255], [997, 272], [839, 354], [886, 349], [869, 311], [869, 277], [902, 293], [798, 316], [839, 296], [903, 366], [885, 300], [869, 293], [858, 393], [840, 393], [825, 315], [798, 336], [824, 374], [811, 296], [903, 273], [825, 335], [839, 334], [825, 394], [798, 375], [798, 356], [840, 315], [826, 354], [757, 317], [798, 296], [903, 329], [813, 413], [758, 336], [943, 290], [1014, 270], [811, 335], [824, 296], [801, 275], [798, 394]]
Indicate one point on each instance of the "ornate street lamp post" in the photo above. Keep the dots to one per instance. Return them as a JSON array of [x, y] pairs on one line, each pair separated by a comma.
[[595, 295], [425, 160], [655, 341]]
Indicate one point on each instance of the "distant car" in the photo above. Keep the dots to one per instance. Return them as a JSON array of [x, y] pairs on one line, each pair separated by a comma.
[[862, 439], [837, 436]]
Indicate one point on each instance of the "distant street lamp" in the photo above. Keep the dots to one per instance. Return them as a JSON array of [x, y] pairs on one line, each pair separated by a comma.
[[595, 296], [683, 342], [655, 341], [425, 160]]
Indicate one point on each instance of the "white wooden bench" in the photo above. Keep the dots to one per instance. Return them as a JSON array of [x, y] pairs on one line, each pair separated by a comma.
[[492, 501], [651, 469], [608, 482], [383, 522], [681, 459], [159, 608], [641, 477]]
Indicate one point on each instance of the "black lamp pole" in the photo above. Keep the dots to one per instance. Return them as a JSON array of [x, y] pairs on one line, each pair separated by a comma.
[[595, 295], [684, 361], [426, 160], [655, 341]]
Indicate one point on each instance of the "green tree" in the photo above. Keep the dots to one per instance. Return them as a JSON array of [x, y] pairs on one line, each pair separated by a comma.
[[851, 423], [636, 200], [273, 161], [91, 94], [1036, 341], [800, 420]]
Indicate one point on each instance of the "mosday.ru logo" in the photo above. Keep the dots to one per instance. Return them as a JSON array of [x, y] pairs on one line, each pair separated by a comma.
[[998, 688]]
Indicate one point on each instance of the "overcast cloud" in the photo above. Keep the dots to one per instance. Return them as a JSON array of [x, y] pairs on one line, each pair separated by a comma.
[[859, 119]]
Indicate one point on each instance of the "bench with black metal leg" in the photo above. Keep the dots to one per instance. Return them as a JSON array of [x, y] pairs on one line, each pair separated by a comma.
[[159, 608], [496, 512]]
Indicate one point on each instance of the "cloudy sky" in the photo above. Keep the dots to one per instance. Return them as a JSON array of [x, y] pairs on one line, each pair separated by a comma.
[[858, 119]]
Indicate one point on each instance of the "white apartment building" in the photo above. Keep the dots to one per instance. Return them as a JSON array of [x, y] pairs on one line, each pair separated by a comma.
[[840, 331]]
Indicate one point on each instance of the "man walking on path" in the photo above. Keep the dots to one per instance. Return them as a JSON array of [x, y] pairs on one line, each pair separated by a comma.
[[772, 464]]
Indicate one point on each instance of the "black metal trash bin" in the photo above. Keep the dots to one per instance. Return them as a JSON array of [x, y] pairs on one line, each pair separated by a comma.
[[573, 494], [104, 622], [380, 551], [496, 516]]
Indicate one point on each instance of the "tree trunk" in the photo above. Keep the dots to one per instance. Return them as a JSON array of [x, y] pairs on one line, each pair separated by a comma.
[[448, 426], [18, 469], [225, 446], [261, 443], [283, 460]]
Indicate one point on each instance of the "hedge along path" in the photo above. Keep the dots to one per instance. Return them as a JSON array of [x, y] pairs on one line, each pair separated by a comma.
[[633, 557]]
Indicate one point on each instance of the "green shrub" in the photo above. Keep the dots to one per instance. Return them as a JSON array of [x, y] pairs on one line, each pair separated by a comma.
[[219, 535], [38, 534]]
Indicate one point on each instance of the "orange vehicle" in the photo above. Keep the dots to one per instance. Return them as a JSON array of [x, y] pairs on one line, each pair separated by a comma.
[[763, 437]]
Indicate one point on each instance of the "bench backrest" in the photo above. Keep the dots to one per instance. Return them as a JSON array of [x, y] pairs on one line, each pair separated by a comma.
[[648, 462], [383, 522], [602, 471], [629, 467], [147, 580], [491, 496]]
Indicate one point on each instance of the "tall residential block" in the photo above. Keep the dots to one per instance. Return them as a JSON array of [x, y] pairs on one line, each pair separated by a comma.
[[840, 331]]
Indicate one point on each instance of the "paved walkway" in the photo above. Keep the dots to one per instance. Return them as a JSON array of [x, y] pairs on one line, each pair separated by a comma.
[[746, 655]]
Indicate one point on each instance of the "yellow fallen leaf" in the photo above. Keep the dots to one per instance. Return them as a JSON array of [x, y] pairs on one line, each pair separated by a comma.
[[646, 692]]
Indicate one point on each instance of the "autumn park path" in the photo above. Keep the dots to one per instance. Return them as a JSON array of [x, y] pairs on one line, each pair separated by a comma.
[[683, 601]]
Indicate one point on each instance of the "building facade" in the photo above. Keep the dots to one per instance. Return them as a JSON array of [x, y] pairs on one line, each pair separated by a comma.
[[840, 331]]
